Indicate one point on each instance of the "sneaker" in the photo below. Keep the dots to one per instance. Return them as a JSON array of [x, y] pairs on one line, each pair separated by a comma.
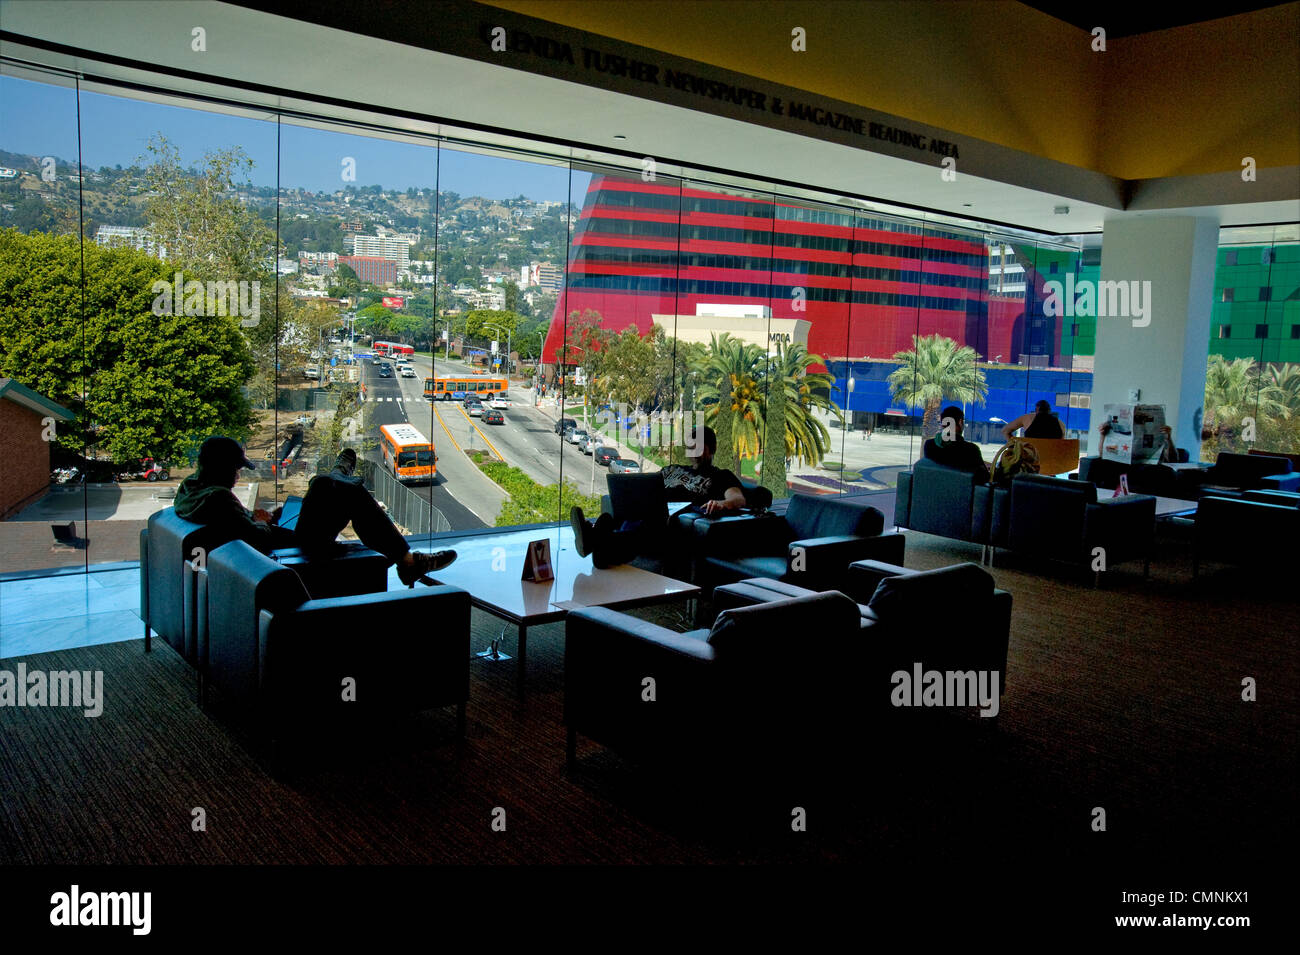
[[581, 531], [423, 564]]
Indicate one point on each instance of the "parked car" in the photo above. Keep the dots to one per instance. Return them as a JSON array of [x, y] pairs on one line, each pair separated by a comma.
[[624, 466], [605, 454], [576, 436], [588, 444], [568, 432], [147, 469], [564, 424], [499, 402], [493, 417]]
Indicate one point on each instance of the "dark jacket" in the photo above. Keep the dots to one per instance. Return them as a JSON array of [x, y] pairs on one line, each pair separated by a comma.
[[217, 507]]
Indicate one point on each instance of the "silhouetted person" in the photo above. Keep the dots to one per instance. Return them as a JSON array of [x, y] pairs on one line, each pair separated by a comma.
[[713, 490], [332, 502], [1039, 423]]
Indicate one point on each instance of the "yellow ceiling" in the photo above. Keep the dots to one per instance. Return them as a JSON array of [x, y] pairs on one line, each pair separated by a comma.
[[1194, 99]]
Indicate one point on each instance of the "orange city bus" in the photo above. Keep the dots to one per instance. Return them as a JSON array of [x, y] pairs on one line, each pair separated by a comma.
[[455, 387], [408, 454]]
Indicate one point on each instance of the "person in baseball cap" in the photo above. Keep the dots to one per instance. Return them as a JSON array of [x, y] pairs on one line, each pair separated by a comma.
[[220, 453], [332, 502]]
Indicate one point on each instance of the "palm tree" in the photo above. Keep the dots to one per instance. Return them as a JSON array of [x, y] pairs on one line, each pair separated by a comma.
[[728, 389], [934, 370], [804, 392], [736, 383], [1234, 391]]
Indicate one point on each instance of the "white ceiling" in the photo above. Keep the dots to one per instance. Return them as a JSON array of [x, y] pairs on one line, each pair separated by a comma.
[[294, 57]]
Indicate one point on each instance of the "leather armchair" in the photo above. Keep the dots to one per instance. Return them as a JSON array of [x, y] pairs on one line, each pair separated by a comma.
[[282, 656], [943, 501], [1248, 533], [810, 545], [1235, 473], [170, 550], [1062, 520], [722, 696], [173, 581], [953, 618]]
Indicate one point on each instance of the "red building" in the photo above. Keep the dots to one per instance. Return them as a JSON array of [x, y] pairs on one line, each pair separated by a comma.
[[371, 269], [866, 284]]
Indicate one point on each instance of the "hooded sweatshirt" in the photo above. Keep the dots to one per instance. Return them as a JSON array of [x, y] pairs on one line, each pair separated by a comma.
[[203, 502]]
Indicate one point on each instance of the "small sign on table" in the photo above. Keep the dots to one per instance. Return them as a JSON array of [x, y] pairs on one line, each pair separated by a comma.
[[537, 564]]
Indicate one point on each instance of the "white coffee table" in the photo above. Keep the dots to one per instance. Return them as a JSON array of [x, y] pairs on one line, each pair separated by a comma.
[[1165, 506], [488, 566]]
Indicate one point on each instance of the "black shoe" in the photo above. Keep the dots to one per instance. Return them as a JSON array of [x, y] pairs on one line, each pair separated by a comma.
[[581, 531], [422, 564]]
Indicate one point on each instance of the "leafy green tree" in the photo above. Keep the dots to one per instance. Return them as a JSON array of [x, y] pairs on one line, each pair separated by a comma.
[[139, 384], [199, 220], [476, 323], [1236, 390], [936, 369]]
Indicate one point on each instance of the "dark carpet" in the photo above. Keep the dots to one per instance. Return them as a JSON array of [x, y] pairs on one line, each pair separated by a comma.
[[1127, 698]]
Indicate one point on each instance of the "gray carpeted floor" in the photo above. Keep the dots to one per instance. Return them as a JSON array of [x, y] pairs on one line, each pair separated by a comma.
[[1126, 698]]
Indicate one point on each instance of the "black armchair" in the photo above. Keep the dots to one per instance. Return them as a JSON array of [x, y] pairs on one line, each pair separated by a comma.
[[1064, 521], [283, 658], [811, 545], [714, 690], [951, 619]]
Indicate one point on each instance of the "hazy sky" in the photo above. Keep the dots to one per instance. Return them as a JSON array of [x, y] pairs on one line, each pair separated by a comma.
[[41, 120]]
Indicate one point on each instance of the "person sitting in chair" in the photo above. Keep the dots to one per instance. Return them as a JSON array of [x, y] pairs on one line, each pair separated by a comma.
[[954, 451], [1039, 423], [714, 491], [332, 501]]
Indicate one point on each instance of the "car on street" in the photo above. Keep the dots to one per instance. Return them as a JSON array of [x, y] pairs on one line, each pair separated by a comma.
[[564, 424], [493, 417], [605, 454], [407, 371], [624, 466], [385, 371], [588, 444], [576, 436], [474, 408], [499, 402]]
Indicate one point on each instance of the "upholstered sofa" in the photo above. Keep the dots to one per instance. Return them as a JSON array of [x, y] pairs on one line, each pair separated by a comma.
[[811, 544], [1258, 532], [1233, 474]]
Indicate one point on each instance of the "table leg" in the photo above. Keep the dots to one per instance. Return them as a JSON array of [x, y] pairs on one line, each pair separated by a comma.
[[520, 666]]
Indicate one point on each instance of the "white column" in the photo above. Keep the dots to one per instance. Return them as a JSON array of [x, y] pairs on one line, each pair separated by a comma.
[[1160, 345]]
